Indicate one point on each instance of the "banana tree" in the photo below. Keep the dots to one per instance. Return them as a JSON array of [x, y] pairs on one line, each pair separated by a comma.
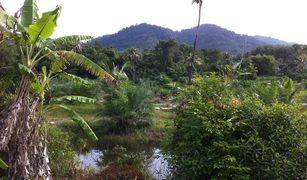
[[21, 136]]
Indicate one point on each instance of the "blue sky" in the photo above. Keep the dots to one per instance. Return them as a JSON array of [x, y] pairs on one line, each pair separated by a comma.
[[283, 19]]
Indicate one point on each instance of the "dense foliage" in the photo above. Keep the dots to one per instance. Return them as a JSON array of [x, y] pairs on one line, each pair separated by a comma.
[[225, 129], [265, 64], [291, 60], [170, 59], [60, 150], [222, 134], [8, 73]]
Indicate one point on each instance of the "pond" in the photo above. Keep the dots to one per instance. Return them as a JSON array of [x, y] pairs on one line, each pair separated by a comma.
[[90, 159], [158, 166], [98, 158]]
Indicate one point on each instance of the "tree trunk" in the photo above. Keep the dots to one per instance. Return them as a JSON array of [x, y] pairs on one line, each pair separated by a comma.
[[192, 60], [21, 139]]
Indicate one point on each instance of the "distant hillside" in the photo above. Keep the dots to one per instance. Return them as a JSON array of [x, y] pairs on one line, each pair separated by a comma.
[[270, 40], [144, 36]]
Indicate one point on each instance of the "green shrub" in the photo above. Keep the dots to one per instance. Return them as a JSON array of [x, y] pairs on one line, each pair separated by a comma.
[[265, 64], [220, 136], [283, 90], [128, 105], [61, 154], [275, 141], [164, 92], [301, 97], [163, 79]]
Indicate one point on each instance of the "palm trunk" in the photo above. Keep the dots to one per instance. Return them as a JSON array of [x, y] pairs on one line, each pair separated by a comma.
[[20, 137], [191, 63]]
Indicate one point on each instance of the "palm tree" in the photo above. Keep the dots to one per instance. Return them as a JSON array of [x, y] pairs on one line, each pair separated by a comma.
[[192, 60], [20, 124], [132, 55]]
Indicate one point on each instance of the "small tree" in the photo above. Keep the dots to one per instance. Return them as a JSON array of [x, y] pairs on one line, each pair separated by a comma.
[[265, 64], [129, 105], [131, 56]]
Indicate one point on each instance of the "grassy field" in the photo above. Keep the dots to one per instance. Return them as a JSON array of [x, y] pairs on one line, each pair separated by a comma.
[[58, 118], [87, 111]]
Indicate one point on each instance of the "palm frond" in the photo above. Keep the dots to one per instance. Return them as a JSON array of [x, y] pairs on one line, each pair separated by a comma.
[[119, 74], [72, 40], [3, 165], [75, 79], [88, 65], [61, 58], [80, 122], [80, 99]]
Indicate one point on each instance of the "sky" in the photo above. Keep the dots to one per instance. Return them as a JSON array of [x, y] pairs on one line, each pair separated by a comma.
[[282, 19]]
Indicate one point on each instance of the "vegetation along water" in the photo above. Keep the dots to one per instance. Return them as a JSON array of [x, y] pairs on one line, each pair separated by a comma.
[[74, 108]]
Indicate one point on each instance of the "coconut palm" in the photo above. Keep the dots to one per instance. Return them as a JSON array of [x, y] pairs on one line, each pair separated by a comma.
[[20, 124], [131, 56], [192, 60]]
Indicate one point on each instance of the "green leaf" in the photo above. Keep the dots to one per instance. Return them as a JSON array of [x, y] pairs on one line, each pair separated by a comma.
[[75, 79], [87, 64], [3, 165], [44, 27], [80, 99], [37, 87], [25, 69], [61, 58], [29, 13], [71, 40], [81, 122]]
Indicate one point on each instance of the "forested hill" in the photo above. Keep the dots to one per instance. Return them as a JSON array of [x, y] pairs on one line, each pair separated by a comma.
[[144, 36]]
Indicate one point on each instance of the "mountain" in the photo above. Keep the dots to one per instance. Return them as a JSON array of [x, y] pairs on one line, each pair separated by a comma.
[[270, 40], [139, 36], [144, 36]]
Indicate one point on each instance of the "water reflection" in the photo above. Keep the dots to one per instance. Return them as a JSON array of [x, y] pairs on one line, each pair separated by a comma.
[[157, 165], [90, 159]]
